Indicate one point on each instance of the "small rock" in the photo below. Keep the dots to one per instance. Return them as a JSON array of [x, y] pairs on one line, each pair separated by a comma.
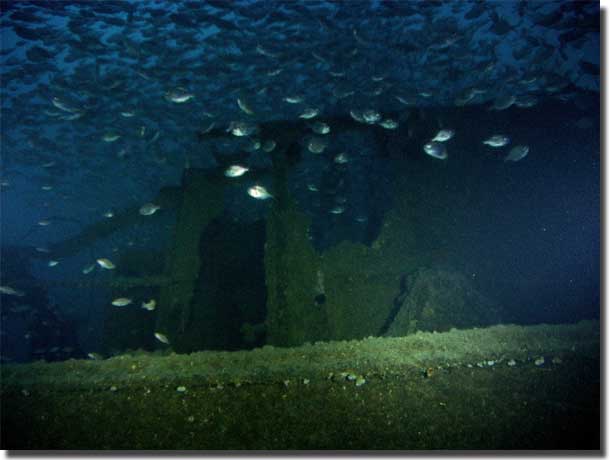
[[360, 381], [181, 389], [511, 362], [539, 361], [305, 381], [113, 388]]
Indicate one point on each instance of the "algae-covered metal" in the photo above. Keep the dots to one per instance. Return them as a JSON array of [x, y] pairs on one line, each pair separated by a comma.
[[424, 391]]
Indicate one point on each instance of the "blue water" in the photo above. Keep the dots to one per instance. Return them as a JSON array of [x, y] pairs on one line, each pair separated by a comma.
[[526, 233]]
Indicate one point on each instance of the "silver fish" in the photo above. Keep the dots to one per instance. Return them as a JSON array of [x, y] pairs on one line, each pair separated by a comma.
[[121, 302], [241, 102], [316, 144], [179, 96], [236, 171], [309, 113], [320, 128], [268, 145], [443, 135], [241, 129], [371, 116], [357, 115], [162, 338], [388, 123], [341, 158], [88, 269], [149, 209], [497, 140], [63, 106], [294, 99], [436, 150], [106, 263], [503, 102], [259, 192], [11, 291], [517, 153], [111, 136]]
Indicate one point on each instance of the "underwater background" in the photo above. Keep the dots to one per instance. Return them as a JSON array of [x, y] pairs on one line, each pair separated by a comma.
[[389, 211], [104, 104]]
